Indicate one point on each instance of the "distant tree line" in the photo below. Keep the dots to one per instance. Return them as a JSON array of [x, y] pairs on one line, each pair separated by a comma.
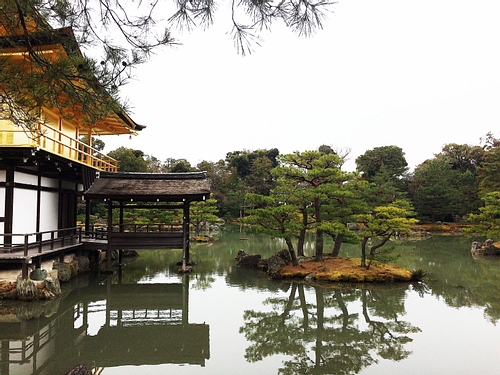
[[288, 195]]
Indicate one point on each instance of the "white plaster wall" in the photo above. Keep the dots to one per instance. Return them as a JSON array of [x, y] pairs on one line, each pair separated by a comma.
[[25, 178], [2, 202], [3, 178], [49, 203], [50, 182], [24, 218]]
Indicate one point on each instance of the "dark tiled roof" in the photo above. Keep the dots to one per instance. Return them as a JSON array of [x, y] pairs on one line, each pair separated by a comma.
[[150, 187]]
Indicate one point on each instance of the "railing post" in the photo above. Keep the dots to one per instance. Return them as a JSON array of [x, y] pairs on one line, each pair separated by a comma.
[[52, 240], [26, 237], [39, 239]]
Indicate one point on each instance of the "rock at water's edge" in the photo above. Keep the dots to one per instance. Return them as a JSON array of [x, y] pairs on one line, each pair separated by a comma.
[[486, 248]]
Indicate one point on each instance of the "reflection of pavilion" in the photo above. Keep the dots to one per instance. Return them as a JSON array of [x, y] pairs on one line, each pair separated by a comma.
[[140, 324]]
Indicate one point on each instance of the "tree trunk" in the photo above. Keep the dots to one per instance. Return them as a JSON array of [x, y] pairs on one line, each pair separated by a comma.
[[289, 244], [374, 248], [343, 308], [319, 232], [302, 234], [338, 242], [320, 313], [363, 251], [305, 311]]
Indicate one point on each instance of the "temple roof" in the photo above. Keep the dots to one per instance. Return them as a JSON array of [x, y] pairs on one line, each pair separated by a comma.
[[150, 187], [56, 42]]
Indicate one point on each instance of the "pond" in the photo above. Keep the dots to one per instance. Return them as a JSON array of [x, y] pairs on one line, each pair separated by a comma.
[[220, 319]]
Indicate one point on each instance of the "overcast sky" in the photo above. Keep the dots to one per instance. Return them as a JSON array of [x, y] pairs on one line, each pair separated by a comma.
[[414, 74]]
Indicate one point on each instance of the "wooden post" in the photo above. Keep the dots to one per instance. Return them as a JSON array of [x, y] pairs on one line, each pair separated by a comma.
[[26, 237], [24, 268], [87, 217], [9, 205], [185, 300], [110, 234], [185, 241], [121, 229]]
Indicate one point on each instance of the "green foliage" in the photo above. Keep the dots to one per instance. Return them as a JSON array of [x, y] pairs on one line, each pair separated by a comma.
[[487, 222], [97, 143], [314, 176], [201, 213], [462, 157], [489, 171], [381, 224], [419, 274], [254, 168], [130, 160], [389, 159], [219, 175], [176, 166], [445, 188], [270, 215]]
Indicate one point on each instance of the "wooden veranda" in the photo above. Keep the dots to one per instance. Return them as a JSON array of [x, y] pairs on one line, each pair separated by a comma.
[[166, 191], [29, 249]]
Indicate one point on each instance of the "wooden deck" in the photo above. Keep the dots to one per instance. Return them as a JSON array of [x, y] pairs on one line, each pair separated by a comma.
[[34, 247]]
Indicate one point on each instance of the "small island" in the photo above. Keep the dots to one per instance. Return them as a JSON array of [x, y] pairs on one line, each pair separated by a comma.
[[337, 269], [329, 269]]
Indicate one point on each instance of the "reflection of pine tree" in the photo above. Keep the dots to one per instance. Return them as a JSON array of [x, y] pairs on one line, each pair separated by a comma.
[[323, 337], [387, 337]]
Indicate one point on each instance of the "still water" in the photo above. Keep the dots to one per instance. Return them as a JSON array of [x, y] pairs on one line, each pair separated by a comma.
[[147, 319]]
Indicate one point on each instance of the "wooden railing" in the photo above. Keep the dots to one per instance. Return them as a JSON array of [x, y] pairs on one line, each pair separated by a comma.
[[101, 232], [141, 236], [57, 142], [148, 228], [42, 241]]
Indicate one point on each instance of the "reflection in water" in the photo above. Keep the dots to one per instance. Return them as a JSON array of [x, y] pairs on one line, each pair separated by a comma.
[[144, 319], [105, 325], [333, 334]]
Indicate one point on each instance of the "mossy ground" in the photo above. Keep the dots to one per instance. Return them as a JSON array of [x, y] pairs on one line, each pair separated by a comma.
[[334, 269]]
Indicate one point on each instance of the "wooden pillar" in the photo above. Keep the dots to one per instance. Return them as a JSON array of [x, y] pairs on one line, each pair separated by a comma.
[[9, 204], [5, 356], [38, 205], [87, 216], [120, 251], [185, 242], [185, 300], [89, 151], [38, 202], [110, 234]]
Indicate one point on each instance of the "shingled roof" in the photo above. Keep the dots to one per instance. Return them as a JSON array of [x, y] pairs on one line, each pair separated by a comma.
[[150, 187]]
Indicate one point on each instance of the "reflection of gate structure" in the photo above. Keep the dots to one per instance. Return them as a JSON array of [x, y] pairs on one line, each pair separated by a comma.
[[106, 326]]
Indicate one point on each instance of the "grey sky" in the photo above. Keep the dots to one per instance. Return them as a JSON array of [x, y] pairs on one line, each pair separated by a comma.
[[415, 74]]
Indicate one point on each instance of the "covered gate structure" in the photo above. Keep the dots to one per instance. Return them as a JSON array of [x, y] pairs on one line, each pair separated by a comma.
[[158, 191]]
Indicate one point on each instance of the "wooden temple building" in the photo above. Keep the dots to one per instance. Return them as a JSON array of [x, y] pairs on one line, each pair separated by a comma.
[[46, 170]]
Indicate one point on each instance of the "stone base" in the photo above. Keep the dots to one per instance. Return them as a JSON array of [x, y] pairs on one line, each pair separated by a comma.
[[43, 284]]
